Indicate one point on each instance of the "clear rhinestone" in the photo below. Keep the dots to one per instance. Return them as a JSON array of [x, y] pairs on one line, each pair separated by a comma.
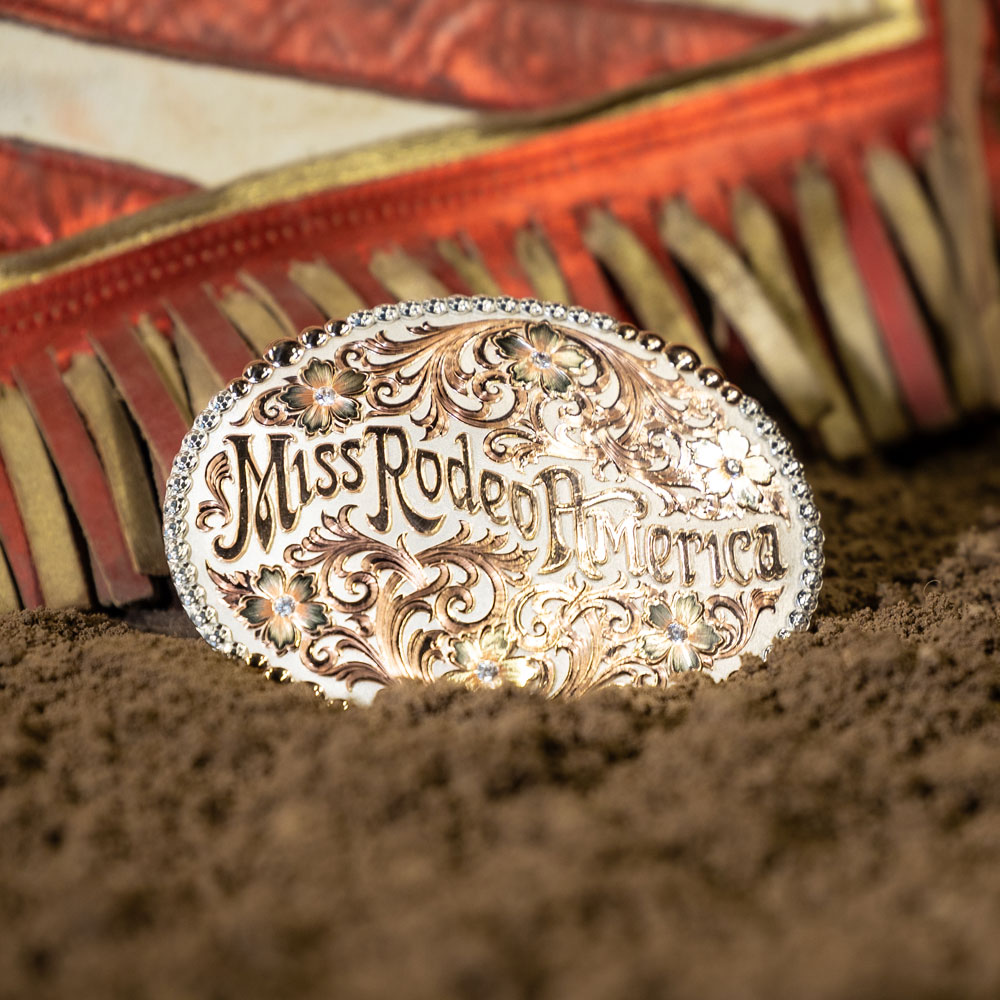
[[177, 552], [800, 489], [284, 605], [195, 440], [193, 595], [798, 619], [791, 468], [749, 406], [578, 315], [806, 600], [484, 303], [733, 467], [240, 651], [222, 401], [184, 575], [765, 425], [386, 313], [174, 506], [809, 512], [206, 420], [435, 306], [814, 557], [602, 321], [198, 616], [219, 637], [411, 309], [813, 534], [541, 360], [179, 482], [507, 304], [283, 353], [783, 633], [779, 445], [487, 670], [811, 579], [676, 632], [555, 310], [532, 307], [363, 317], [185, 461], [459, 303], [175, 529], [325, 396]]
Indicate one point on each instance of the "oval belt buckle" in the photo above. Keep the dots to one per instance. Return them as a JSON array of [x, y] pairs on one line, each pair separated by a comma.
[[494, 491]]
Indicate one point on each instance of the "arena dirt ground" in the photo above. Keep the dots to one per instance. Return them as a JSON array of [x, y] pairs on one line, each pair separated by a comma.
[[826, 825]]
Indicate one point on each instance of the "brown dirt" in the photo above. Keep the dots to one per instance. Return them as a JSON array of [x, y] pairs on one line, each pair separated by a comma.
[[824, 826]]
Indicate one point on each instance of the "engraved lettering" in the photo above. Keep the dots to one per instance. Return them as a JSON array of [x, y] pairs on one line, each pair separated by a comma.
[[524, 510], [425, 458], [324, 455], [350, 449], [561, 548], [463, 496], [737, 537], [658, 551], [768, 559], [684, 540], [716, 565], [493, 492], [255, 499], [385, 470]]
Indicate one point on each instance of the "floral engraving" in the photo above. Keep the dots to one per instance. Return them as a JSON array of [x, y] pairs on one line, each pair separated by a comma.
[[324, 396], [487, 660], [278, 608], [460, 602], [543, 356], [734, 467], [682, 639]]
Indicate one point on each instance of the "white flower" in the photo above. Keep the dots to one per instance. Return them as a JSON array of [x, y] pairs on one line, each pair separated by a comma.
[[733, 467]]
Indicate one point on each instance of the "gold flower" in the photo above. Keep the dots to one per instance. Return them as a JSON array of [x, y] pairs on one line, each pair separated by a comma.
[[324, 396], [682, 637], [283, 609], [543, 355], [484, 661], [732, 468]]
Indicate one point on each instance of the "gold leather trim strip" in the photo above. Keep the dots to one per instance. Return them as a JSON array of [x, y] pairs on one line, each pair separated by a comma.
[[120, 451], [40, 501], [404, 276], [736, 291], [325, 287], [9, 600], [654, 302], [759, 235], [540, 266], [466, 260], [843, 295]]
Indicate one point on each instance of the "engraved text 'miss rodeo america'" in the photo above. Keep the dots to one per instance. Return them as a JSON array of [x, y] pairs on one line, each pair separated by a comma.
[[264, 493]]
